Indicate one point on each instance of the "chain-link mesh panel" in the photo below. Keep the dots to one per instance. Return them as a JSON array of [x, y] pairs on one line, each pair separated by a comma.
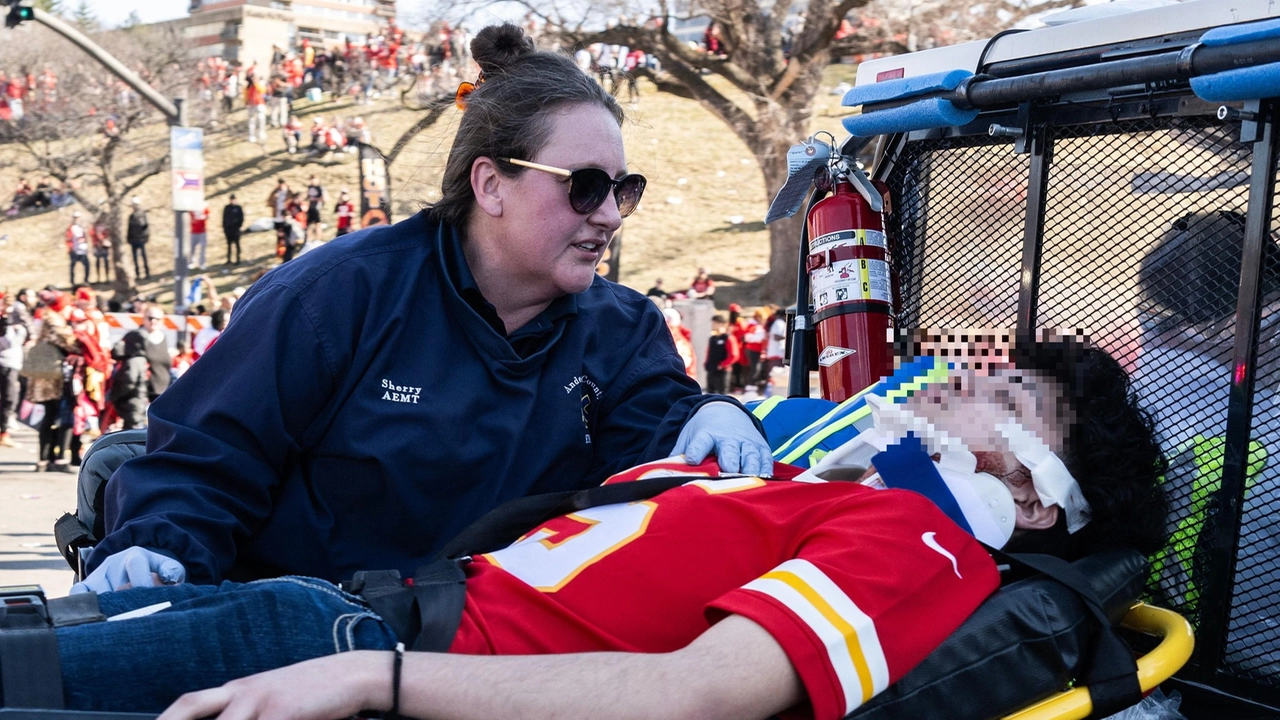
[[1143, 237], [960, 208], [1253, 629]]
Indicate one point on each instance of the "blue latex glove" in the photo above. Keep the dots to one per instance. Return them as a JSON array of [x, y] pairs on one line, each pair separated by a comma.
[[132, 567], [726, 429]]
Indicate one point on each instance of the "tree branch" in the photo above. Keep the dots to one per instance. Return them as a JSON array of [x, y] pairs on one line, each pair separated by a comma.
[[137, 183]]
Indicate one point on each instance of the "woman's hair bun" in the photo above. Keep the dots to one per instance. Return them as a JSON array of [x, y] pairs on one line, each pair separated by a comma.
[[496, 47]]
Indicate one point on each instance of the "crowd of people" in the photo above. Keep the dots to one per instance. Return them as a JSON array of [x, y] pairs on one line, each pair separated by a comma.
[[62, 373], [46, 194], [299, 215], [744, 348], [299, 218]]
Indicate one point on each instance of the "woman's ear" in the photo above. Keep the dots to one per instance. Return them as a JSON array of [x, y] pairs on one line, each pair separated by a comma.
[[486, 185]]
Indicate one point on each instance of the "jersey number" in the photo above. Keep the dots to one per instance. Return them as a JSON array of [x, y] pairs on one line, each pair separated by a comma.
[[556, 552]]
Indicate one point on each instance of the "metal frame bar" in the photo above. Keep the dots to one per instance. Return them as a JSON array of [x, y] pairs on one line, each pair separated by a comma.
[[801, 328], [1041, 149], [1221, 533]]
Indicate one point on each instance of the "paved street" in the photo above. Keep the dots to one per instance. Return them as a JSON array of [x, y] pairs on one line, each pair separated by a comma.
[[29, 504]]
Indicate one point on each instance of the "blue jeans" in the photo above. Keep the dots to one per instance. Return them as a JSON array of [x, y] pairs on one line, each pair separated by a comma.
[[79, 260], [210, 635]]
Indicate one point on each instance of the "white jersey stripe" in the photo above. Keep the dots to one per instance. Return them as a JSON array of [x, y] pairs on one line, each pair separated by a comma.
[[849, 635], [847, 609]]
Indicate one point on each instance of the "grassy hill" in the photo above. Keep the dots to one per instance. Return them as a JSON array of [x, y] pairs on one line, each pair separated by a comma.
[[703, 207]]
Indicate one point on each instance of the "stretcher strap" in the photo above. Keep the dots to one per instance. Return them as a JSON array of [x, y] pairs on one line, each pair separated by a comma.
[[70, 533], [1110, 671], [426, 613], [30, 673], [508, 522], [440, 590]]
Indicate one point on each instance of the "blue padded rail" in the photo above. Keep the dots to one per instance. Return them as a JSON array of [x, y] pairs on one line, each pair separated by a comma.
[[1251, 83], [904, 88], [1234, 34], [920, 115]]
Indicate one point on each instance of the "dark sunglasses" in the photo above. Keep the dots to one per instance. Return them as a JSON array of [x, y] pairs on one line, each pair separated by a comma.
[[588, 187]]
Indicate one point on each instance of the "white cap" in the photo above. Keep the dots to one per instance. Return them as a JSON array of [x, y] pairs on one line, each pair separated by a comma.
[[136, 200], [672, 315]]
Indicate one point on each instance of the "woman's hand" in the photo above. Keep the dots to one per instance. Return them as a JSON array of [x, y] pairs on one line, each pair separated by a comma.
[[327, 688], [726, 429]]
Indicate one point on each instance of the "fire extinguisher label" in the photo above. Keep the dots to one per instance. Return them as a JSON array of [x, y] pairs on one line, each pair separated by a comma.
[[852, 281], [832, 354], [848, 237]]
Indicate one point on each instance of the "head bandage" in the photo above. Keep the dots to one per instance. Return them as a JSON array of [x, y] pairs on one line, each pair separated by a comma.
[[1053, 482], [986, 502]]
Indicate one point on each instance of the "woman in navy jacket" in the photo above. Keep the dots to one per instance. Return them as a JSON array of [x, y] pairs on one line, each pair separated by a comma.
[[372, 398]]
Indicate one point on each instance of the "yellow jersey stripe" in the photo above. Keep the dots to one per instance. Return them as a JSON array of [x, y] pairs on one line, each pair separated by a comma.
[[845, 629], [848, 634]]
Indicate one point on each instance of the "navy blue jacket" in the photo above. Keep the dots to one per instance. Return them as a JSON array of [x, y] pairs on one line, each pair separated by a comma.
[[363, 406]]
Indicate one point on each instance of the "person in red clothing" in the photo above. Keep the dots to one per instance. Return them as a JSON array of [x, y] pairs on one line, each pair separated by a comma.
[[739, 326], [782, 571], [199, 238], [100, 236], [78, 247], [683, 339], [345, 211], [255, 103], [292, 132], [702, 286], [723, 351], [753, 344], [723, 596]]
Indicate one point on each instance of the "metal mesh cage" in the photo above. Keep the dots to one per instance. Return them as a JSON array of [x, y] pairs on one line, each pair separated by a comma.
[[958, 268], [1141, 246]]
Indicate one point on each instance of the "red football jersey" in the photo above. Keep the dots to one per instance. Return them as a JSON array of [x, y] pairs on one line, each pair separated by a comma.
[[857, 585]]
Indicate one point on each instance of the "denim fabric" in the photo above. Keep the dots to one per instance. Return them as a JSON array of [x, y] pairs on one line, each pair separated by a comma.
[[211, 634]]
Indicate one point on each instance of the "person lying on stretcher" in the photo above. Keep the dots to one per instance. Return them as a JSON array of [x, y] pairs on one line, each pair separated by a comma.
[[727, 596]]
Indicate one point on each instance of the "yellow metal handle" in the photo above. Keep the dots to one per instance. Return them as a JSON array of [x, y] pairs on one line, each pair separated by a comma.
[[1176, 642]]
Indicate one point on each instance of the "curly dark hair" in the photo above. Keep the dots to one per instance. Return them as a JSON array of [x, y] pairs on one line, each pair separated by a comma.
[[1111, 450], [509, 113]]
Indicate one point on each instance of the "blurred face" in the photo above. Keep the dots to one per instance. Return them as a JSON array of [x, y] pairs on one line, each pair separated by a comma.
[[972, 404], [549, 245], [153, 320]]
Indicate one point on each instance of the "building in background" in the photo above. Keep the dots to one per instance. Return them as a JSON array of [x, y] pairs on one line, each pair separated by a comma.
[[244, 31]]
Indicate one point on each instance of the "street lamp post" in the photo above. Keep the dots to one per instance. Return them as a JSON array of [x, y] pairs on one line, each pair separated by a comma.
[[175, 112]]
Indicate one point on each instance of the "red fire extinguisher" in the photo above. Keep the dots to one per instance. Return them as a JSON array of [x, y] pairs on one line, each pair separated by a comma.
[[853, 299]]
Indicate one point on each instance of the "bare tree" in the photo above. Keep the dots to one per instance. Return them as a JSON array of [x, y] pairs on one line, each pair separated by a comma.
[[86, 129], [773, 56], [898, 26]]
